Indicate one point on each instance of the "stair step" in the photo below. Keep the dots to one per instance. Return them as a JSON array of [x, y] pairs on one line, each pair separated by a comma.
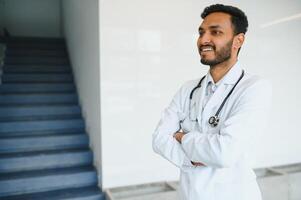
[[44, 142], [49, 61], [39, 118], [36, 69], [18, 39], [34, 52], [30, 48], [84, 193], [46, 180], [35, 60], [34, 98], [8, 127], [49, 159], [36, 111], [9, 88], [36, 46], [37, 78], [43, 132]]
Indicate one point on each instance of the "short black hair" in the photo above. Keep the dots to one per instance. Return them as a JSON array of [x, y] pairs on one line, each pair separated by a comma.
[[238, 18]]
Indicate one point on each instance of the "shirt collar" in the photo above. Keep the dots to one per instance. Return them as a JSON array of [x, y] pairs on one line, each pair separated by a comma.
[[230, 77]]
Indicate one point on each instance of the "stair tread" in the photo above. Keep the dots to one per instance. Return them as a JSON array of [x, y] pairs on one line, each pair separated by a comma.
[[34, 57], [44, 132], [32, 39], [40, 117], [53, 124], [69, 193], [42, 136], [20, 67], [35, 74], [41, 62], [36, 104], [38, 73], [46, 172], [45, 120], [40, 106], [47, 45], [49, 54], [40, 93], [33, 84], [38, 70], [36, 65], [37, 85], [36, 53], [43, 52], [46, 81], [43, 152], [39, 89]]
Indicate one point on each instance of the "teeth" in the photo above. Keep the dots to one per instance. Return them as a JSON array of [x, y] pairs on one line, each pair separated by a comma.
[[207, 49]]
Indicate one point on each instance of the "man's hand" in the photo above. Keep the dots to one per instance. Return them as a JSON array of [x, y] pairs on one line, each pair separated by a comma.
[[197, 164], [178, 136]]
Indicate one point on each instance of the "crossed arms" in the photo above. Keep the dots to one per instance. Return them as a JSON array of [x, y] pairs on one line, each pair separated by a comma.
[[221, 149]]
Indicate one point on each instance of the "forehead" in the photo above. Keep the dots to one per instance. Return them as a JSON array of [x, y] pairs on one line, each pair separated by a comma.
[[220, 19]]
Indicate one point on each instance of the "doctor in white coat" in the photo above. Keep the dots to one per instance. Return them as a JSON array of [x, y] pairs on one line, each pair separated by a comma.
[[214, 155]]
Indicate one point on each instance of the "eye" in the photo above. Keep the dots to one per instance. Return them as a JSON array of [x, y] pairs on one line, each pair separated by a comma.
[[216, 32], [201, 33]]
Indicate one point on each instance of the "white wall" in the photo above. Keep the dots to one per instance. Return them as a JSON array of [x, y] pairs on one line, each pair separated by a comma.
[[81, 30], [32, 17], [148, 49]]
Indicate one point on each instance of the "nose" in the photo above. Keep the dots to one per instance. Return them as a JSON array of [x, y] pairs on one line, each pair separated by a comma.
[[204, 39]]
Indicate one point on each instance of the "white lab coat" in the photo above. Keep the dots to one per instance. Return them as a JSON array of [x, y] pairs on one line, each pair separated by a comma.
[[224, 150]]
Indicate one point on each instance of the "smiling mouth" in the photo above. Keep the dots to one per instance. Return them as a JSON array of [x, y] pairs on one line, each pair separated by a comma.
[[206, 49]]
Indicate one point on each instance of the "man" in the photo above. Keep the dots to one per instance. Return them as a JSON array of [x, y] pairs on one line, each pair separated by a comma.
[[208, 127]]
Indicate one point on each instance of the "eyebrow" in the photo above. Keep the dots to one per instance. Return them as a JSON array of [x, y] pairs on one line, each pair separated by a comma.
[[211, 27]]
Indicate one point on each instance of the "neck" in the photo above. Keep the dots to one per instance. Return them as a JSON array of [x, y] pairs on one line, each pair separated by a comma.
[[220, 70]]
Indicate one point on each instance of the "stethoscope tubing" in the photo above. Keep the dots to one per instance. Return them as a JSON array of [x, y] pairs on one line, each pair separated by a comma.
[[215, 118]]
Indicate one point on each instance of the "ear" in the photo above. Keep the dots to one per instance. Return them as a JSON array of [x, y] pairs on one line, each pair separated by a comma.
[[238, 40]]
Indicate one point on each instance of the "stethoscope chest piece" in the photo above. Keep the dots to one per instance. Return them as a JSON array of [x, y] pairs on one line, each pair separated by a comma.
[[213, 121]]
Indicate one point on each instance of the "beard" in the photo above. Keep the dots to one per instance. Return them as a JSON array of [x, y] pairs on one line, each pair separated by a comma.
[[222, 55]]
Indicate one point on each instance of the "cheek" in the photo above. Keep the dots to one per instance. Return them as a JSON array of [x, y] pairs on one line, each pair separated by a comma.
[[224, 45], [198, 42]]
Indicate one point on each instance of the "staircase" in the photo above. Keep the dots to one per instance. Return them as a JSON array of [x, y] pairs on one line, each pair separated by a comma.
[[44, 150]]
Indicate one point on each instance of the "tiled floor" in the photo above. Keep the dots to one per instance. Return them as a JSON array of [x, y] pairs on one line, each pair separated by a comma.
[[276, 183]]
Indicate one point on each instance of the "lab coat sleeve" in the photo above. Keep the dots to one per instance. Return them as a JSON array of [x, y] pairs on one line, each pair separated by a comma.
[[225, 147], [163, 141]]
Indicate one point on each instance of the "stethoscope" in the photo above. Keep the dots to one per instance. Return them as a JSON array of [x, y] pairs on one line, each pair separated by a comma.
[[213, 120]]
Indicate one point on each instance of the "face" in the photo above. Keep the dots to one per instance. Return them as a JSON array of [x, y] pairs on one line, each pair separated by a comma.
[[216, 39]]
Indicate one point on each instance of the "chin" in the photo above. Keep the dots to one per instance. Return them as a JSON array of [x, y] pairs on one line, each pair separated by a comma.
[[207, 61]]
